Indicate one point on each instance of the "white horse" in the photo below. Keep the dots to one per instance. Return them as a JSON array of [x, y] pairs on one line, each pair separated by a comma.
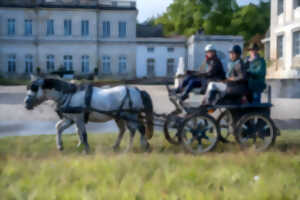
[[68, 96]]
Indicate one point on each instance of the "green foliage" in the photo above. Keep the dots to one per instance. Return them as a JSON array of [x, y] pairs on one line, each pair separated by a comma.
[[32, 168], [215, 17]]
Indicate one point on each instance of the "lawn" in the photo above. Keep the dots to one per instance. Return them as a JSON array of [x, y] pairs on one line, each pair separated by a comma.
[[32, 168]]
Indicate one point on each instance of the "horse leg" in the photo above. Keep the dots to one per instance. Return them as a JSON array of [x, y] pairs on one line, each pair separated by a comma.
[[60, 127], [132, 130], [122, 129], [80, 139], [144, 143], [83, 135]]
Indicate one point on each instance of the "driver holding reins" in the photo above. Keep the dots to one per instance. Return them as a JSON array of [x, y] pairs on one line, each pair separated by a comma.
[[214, 72]]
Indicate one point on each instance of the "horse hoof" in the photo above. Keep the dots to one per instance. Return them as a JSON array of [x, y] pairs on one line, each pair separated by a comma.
[[61, 148], [148, 149], [87, 150], [116, 148]]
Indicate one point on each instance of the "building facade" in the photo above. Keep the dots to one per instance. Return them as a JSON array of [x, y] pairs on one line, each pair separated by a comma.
[[76, 35], [283, 39], [159, 57]]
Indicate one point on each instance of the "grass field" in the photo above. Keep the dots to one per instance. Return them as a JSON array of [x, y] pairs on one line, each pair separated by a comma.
[[32, 168]]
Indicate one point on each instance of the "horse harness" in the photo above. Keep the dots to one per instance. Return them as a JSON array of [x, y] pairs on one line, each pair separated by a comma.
[[65, 108]]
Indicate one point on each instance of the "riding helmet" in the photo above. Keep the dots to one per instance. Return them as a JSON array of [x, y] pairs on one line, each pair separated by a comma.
[[236, 49]]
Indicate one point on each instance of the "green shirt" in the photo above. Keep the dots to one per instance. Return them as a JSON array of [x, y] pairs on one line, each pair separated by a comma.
[[257, 74]]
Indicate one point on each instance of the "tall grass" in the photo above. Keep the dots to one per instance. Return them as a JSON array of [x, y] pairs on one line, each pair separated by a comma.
[[32, 168]]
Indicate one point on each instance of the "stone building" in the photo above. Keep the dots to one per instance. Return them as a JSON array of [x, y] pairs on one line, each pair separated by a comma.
[[282, 42], [157, 56], [78, 35]]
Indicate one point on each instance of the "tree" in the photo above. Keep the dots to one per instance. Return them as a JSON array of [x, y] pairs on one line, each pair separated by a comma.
[[215, 17]]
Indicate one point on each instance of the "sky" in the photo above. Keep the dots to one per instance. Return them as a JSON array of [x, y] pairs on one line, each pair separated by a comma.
[[150, 8]]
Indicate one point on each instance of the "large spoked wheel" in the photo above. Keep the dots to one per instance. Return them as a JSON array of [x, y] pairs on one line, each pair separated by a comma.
[[225, 122], [199, 133], [256, 130], [171, 129]]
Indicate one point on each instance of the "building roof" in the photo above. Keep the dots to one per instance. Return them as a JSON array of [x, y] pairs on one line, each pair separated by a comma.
[[202, 37], [149, 31], [161, 40], [88, 4], [146, 33]]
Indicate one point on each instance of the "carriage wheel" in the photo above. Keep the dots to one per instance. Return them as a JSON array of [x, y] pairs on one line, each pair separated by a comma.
[[171, 127], [225, 122], [256, 130], [199, 133]]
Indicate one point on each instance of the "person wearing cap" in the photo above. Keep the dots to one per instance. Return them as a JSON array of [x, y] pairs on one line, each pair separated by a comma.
[[236, 80], [214, 72], [256, 70]]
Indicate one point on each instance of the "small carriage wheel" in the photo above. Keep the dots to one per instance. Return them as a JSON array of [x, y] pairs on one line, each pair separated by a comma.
[[171, 129], [199, 133], [225, 123], [256, 130]]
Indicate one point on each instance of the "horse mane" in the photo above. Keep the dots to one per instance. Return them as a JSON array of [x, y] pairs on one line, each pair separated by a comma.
[[59, 85]]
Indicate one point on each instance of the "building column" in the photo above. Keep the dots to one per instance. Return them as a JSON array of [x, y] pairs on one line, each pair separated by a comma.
[[97, 57], [37, 38], [288, 47]]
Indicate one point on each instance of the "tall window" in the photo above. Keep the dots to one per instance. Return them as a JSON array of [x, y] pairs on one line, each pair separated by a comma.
[[84, 28], [171, 67], [50, 63], [296, 3], [150, 49], [28, 64], [106, 29], [171, 49], [122, 65], [50, 27], [11, 27], [122, 29], [267, 50], [280, 46], [85, 65], [11, 63], [280, 7], [68, 27], [151, 67], [296, 43], [68, 64], [106, 65], [28, 27]]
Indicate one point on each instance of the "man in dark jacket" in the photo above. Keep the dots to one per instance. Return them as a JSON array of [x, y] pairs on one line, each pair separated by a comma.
[[214, 72], [236, 83], [256, 70]]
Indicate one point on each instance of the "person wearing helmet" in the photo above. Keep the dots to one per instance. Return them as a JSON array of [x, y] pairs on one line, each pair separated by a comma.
[[214, 72], [236, 80], [256, 69]]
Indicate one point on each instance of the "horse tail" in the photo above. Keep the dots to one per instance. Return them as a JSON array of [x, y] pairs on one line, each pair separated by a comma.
[[148, 110]]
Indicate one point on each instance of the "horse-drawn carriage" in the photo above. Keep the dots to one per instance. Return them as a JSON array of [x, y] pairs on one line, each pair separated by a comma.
[[196, 128], [199, 129]]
